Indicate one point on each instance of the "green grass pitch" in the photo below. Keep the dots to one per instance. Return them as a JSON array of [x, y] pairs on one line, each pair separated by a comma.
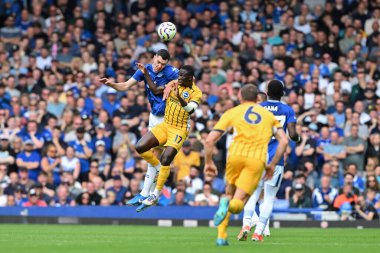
[[144, 239]]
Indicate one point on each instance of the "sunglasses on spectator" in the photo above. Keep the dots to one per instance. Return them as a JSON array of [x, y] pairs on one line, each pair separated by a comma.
[[305, 131]]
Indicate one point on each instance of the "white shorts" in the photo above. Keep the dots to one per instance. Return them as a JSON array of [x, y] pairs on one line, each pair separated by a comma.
[[277, 177], [155, 120]]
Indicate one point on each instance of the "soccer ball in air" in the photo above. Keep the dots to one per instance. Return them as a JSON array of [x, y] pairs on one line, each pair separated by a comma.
[[166, 31]]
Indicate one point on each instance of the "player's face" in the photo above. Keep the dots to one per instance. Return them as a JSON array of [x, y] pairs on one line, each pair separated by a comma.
[[159, 63], [184, 79]]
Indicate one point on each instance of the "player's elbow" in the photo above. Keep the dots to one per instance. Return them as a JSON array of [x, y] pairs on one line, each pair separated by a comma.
[[284, 142]]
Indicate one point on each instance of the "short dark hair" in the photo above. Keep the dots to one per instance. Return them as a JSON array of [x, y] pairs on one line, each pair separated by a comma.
[[189, 70], [164, 54], [275, 89], [249, 92]]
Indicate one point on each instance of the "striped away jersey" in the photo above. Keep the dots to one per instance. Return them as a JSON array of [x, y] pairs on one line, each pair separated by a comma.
[[253, 128], [175, 115]]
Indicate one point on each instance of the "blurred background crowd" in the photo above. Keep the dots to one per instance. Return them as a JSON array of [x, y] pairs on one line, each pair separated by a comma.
[[66, 139]]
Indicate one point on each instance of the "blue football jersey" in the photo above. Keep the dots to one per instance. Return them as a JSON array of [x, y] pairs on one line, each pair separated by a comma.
[[284, 114], [161, 78]]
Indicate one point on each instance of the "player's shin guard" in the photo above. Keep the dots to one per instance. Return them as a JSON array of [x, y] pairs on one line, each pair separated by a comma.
[[149, 180], [153, 186], [162, 177], [222, 228], [236, 206], [150, 158]]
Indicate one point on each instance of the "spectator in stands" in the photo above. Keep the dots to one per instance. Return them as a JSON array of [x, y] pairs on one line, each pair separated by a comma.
[[94, 197], [373, 149], [334, 150], [179, 199], [363, 131], [33, 200], [206, 198], [70, 163], [306, 149], [62, 198], [50, 163], [324, 196], [83, 151], [336, 174], [24, 179], [184, 160], [347, 196], [103, 158], [299, 198], [365, 211], [357, 182], [355, 148], [193, 182], [30, 159], [118, 189]]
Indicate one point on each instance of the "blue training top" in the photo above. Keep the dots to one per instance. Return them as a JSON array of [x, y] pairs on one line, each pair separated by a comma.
[[284, 114], [161, 78]]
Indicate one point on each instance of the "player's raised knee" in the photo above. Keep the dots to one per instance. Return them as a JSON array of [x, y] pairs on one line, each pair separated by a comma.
[[236, 206], [140, 148], [168, 156]]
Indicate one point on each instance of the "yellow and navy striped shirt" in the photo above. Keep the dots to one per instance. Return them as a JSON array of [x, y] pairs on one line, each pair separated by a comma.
[[253, 129], [175, 115]]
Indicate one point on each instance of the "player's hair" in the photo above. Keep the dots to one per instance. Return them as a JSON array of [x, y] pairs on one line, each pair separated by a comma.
[[249, 92], [164, 54], [275, 89], [189, 70]]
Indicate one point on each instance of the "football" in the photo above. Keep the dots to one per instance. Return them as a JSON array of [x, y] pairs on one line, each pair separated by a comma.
[[166, 31]]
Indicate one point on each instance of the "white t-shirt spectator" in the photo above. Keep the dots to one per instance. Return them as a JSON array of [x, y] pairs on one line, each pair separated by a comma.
[[43, 62], [195, 185], [344, 85], [69, 165], [203, 198], [309, 100]]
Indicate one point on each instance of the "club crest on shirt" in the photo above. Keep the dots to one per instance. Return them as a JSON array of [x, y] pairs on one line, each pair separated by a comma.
[[185, 94]]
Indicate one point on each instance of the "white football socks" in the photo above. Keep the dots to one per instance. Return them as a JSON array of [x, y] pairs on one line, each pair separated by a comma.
[[150, 179]]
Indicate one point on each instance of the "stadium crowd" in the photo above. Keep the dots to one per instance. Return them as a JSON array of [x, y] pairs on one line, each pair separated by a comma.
[[67, 139]]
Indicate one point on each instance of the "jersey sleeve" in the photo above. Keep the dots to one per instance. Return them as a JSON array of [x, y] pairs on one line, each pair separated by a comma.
[[224, 123], [173, 74], [196, 96], [138, 76], [291, 116]]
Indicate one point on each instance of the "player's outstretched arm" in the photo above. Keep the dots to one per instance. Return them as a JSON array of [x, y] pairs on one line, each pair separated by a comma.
[[282, 144], [124, 86], [156, 90]]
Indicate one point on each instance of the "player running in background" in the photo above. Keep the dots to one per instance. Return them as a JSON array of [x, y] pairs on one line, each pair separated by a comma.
[[161, 73], [183, 100], [286, 116], [253, 126]]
